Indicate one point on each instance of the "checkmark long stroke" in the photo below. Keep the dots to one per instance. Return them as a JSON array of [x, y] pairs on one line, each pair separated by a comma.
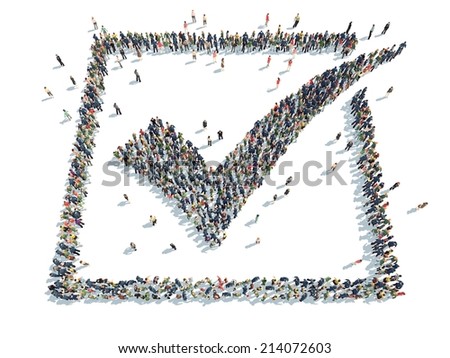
[[211, 199]]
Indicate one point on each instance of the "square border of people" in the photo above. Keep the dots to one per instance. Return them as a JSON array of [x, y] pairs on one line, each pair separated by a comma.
[[212, 213]]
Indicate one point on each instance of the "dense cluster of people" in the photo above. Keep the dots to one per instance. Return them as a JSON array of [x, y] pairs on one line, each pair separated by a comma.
[[210, 197], [386, 280], [278, 41]]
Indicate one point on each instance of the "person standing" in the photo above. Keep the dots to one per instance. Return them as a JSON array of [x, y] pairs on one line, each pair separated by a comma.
[[275, 197], [386, 27], [49, 93], [133, 246], [67, 115], [296, 20], [73, 81], [214, 56], [287, 191], [94, 22], [288, 180], [204, 20], [371, 32], [256, 218], [396, 185], [268, 60], [222, 64], [194, 55], [205, 124], [185, 26], [349, 145], [258, 241], [278, 82], [138, 77], [421, 206], [119, 61], [126, 197], [122, 52], [349, 27], [60, 61], [118, 111], [173, 246], [267, 19], [194, 19], [220, 134], [289, 64], [209, 141], [338, 136], [389, 91]]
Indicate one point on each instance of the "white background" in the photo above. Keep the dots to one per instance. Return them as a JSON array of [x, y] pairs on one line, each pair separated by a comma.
[[311, 233]]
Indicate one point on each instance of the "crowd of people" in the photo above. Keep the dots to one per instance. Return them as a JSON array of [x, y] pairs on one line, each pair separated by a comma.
[[225, 42], [209, 197], [386, 280]]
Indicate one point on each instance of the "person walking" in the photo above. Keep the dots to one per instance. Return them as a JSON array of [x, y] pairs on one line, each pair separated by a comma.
[[287, 191], [222, 63], [126, 197], [338, 136], [133, 246], [73, 81], [49, 93], [296, 20], [60, 61], [256, 218], [220, 134], [185, 26], [371, 32], [278, 82], [194, 19], [94, 22], [267, 19], [138, 77], [386, 27], [204, 20], [275, 197], [173, 246], [67, 115], [288, 180], [209, 141], [214, 56], [117, 108], [268, 60], [194, 55]]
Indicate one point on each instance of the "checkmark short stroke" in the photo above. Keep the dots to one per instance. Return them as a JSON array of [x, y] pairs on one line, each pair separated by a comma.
[[212, 198]]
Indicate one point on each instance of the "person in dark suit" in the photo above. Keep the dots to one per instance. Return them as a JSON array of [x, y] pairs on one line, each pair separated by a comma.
[[60, 61], [386, 27]]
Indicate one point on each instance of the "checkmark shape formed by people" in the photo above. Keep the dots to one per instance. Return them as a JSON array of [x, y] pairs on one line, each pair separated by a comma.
[[212, 198]]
